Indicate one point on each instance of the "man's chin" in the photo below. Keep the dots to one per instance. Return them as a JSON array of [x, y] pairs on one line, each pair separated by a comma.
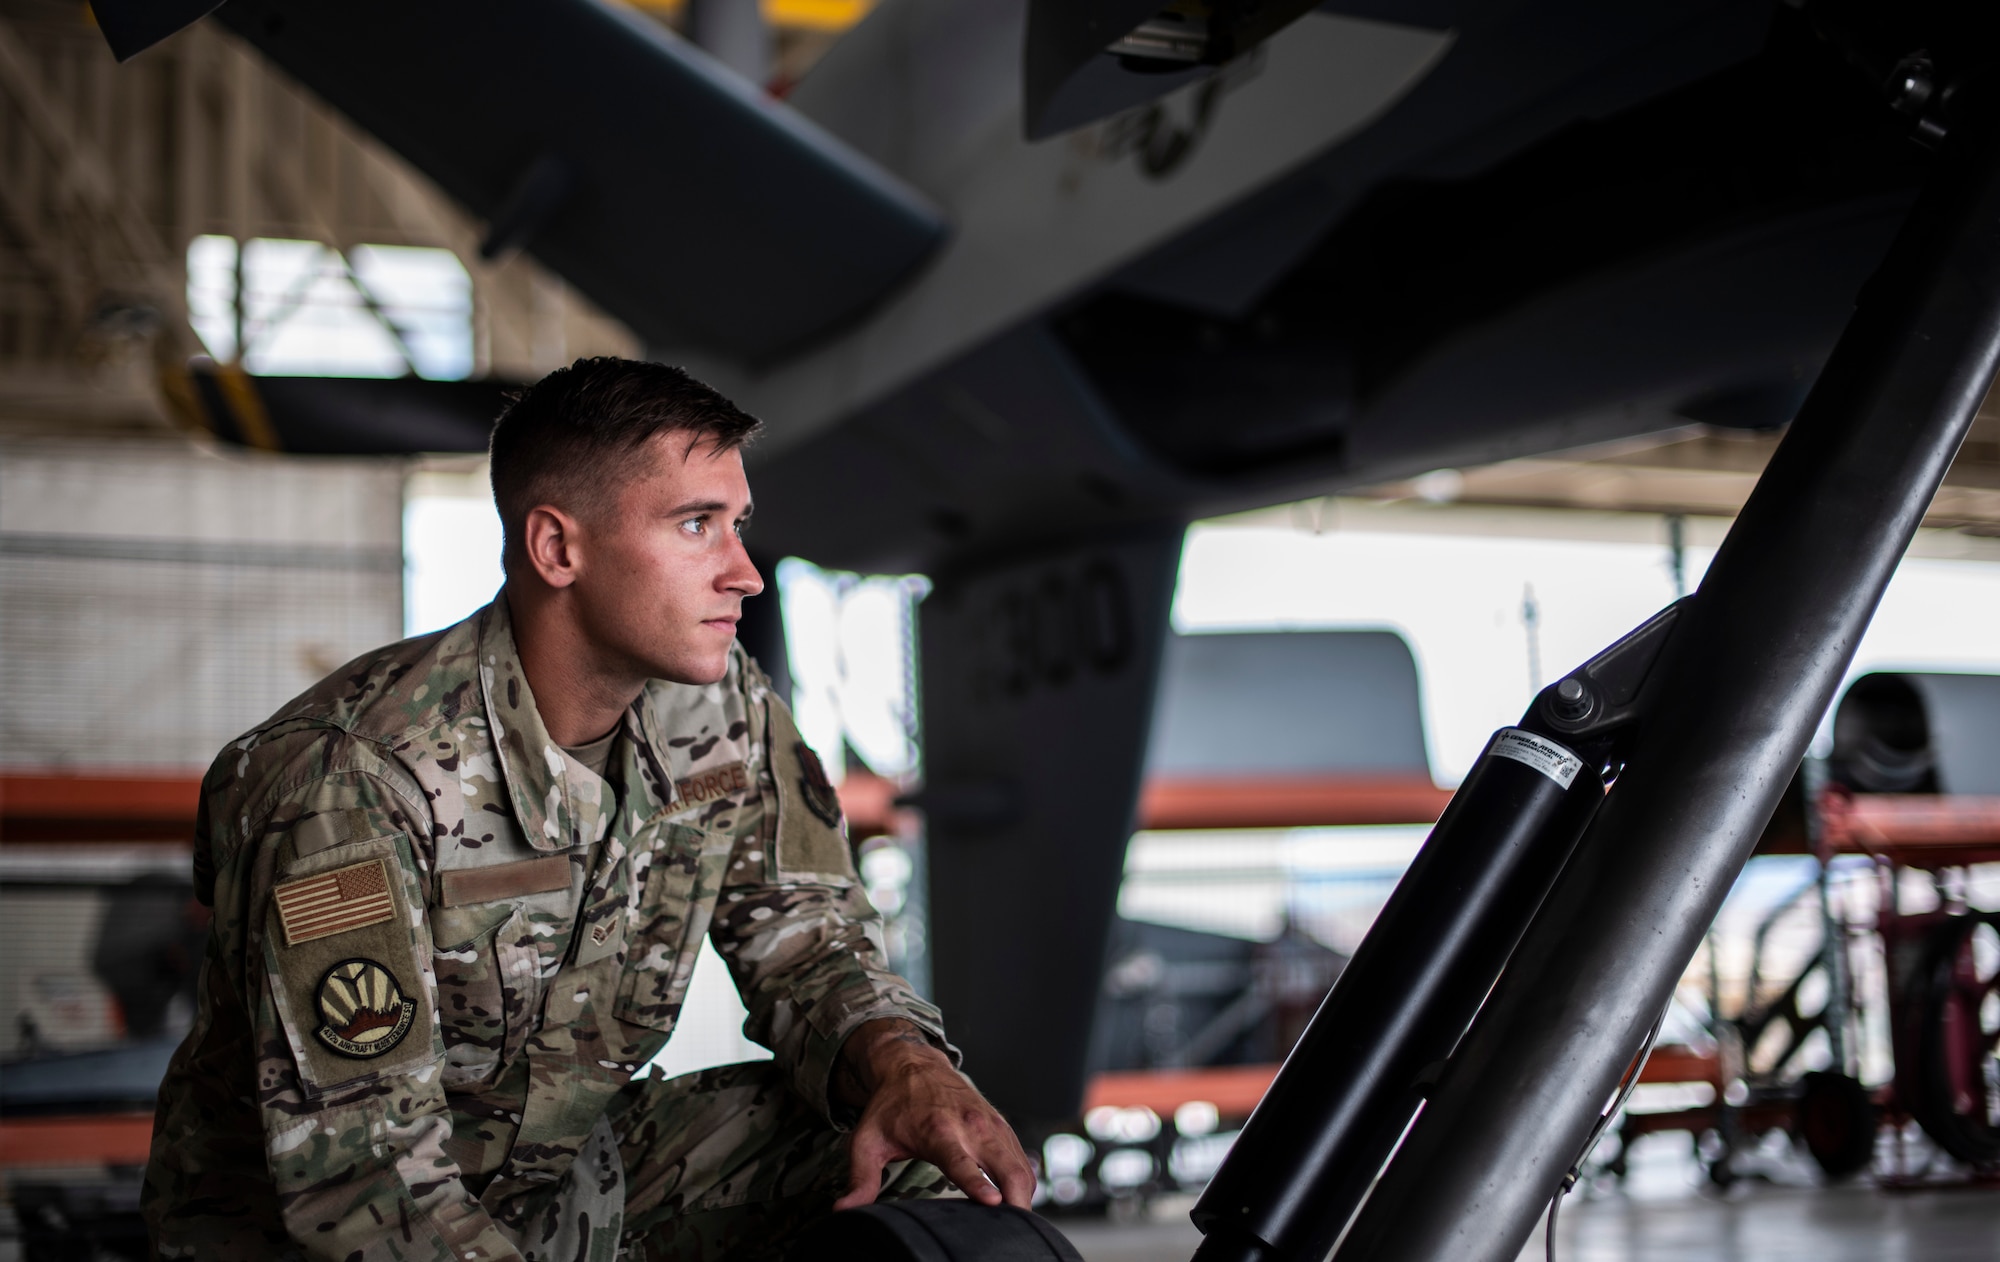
[[699, 673]]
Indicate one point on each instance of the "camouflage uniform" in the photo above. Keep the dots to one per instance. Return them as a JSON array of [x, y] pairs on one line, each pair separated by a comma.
[[442, 948]]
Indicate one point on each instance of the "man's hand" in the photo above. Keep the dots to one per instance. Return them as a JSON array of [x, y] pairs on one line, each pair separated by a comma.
[[914, 1105]]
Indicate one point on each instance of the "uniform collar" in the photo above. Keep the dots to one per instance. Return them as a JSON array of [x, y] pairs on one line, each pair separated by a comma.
[[649, 784], [556, 808]]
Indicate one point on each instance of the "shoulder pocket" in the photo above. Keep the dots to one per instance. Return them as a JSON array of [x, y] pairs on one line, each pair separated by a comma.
[[811, 844], [351, 992]]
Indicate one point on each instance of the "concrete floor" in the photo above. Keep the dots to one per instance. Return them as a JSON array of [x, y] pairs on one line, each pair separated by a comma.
[[1666, 1212]]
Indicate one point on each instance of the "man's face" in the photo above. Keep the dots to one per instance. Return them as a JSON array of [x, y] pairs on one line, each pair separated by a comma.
[[665, 574]]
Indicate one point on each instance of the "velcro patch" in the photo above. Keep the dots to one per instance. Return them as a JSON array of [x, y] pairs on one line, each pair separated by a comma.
[[811, 843], [362, 1011], [323, 830], [462, 887], [819, 792], [373, 966], [707, 786], [352, 897]]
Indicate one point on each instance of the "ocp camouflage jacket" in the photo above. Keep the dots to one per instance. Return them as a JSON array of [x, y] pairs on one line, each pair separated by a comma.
[[441, 946]]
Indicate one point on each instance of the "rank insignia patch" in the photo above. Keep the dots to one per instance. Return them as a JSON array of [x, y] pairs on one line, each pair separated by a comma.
[[819, 791], [361, 1009], [333, 902]]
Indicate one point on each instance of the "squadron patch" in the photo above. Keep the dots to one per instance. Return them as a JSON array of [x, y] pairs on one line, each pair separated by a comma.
[[819, 792], [362, 1010]]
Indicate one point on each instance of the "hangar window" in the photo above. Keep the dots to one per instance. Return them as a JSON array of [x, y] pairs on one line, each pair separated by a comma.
[[302, 308], [851, 639]]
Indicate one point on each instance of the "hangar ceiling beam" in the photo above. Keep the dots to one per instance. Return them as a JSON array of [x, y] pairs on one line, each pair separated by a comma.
[[111, 172], [58, 264], [84, 175], [285, 187]]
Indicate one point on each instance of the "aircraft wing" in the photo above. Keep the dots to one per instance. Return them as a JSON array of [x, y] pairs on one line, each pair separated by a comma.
[[681, 198]]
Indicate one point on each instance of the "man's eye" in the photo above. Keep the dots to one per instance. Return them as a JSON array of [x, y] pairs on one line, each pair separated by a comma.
[[694, 525]]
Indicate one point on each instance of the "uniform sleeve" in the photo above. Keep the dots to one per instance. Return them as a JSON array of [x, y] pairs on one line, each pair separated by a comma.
[[320, 920], [798, 933]]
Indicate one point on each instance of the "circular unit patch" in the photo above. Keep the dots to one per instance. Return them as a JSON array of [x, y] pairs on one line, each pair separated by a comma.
[[361, 1009], [817, 789]]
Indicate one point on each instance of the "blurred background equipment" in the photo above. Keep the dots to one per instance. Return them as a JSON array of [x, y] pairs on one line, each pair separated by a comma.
[[1191, 1023], [1243, 738], [155, 601], [159, 599], [1242, 735], [1919, 732]]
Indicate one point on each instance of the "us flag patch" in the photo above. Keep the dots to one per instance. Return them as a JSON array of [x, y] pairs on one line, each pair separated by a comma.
[[334, 902]]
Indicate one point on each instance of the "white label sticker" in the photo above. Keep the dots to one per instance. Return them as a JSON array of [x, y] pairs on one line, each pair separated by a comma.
[[1545, 756]]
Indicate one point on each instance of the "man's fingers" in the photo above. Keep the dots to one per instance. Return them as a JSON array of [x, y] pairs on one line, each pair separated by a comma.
[[1010, 1169], [861, 1190], [1006, 1164], [867, 1153], [963, 1171], [934, 1114]]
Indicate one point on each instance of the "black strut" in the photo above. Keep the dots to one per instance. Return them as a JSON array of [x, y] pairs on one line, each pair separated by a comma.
[[1357, 1075], [1703, 745]]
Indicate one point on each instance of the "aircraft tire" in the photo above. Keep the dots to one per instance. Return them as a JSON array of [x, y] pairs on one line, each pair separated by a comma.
[[1958, 1077], [933, 1231], [1837, 1120]]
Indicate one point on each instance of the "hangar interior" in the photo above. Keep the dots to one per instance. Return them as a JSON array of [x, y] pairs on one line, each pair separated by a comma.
[[1149, 605]]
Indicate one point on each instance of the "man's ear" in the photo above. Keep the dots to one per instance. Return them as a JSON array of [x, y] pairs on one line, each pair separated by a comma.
[[549, 538]]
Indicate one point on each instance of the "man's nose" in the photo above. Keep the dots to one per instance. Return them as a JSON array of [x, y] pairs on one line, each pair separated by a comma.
[[741, 576]]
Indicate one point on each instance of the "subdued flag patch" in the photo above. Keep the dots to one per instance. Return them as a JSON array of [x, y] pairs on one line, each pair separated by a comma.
[[335, 902]]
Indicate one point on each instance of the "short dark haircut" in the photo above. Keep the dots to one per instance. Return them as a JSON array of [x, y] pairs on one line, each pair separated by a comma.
[[570, 438]]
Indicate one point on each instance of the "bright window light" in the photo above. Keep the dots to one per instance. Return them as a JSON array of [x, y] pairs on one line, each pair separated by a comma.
[[1250, 883], [428, 296], [851, 641], [304, 309], [1458, 600], [451, 550], [211, 293], [710, 1030]]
